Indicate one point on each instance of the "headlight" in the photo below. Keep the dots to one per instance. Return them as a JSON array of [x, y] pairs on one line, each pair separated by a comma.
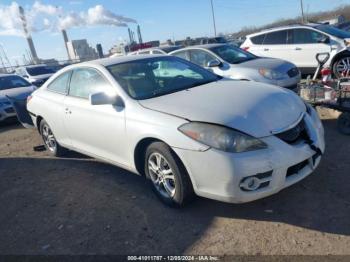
[[272, 74], [222, 138]]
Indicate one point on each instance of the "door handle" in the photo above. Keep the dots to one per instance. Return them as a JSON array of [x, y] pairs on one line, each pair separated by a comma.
[[266, 49], [298, 48], [67, 110]]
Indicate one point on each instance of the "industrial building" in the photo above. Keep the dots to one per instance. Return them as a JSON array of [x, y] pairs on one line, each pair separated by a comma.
[[80, 50]]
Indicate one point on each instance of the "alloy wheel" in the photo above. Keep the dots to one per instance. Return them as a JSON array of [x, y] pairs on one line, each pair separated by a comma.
[[343, 66], [49, 138], [161, 175]]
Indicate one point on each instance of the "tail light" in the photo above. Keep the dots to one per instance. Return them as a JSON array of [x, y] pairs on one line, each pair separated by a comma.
[[246, 48], [326, 71]]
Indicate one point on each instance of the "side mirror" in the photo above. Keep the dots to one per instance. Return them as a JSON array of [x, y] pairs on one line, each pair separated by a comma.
[[102, 98], [214, 63]]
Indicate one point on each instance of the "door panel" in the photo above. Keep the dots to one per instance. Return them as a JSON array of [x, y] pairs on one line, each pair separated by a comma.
[[304, 45], [275, 45], [94, 129]]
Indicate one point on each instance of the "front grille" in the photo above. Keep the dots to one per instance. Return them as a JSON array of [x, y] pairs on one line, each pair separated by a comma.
[[9, 110], [296, 168], [293, 72], [294, 134]]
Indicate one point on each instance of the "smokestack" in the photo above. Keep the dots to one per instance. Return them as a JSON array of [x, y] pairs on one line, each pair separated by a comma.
[[27, 35], [99, 50], [139, 34], [65, 39], [133, 36], [130, 36]]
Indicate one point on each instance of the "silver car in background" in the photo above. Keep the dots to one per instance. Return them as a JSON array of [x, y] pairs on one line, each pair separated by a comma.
[[161, 50], [15, 87], [232, 62]]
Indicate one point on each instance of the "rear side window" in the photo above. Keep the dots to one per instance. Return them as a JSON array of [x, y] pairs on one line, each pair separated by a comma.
[[201, 58], [182, 54], [86, 81], [60, 84], [306, 36], [276, 38], [258, 40]]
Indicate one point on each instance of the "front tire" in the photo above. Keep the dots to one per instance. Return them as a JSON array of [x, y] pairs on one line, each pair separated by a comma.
[[50, 141], [167, 175]]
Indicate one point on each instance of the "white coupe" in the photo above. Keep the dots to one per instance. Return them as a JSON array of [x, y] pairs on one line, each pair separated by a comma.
[[186, 129]]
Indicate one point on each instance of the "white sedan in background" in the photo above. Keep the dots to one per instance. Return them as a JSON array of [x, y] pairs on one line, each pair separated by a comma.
[[188, 132]]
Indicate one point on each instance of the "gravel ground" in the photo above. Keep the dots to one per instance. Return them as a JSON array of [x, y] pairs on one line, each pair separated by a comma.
[[78, 205]]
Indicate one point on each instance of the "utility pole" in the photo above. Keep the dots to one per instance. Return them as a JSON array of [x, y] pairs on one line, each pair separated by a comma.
[[302, 11], [212, 11]]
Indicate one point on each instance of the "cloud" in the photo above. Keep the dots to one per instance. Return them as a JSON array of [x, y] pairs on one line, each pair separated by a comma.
[[10, 23], [41, 17], [38, 8], [97, 15]]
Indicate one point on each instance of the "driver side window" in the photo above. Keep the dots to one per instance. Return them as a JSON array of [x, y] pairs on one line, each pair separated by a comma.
[[200, 57], [86, 81]]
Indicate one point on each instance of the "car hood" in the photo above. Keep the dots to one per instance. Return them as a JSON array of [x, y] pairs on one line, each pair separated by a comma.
[[254, 108], [19, 92], [269, 63]]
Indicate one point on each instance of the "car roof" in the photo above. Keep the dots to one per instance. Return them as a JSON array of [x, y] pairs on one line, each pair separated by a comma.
[[115, 60], [283, 28]]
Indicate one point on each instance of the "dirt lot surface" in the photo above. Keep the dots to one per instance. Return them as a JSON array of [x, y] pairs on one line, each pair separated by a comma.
[[78, 205]]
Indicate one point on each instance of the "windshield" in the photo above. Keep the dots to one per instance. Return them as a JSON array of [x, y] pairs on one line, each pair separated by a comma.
[[152, 77], [9, 82], [39, 70], [333, 31], [231, 54]]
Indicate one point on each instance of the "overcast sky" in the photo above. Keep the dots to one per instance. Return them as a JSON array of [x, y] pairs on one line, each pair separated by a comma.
[[159, 20]]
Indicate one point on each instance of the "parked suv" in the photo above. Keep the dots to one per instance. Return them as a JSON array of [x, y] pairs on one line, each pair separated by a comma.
[[299, 44]]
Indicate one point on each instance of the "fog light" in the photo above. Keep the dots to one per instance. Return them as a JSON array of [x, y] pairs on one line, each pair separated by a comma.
[[250, 183]]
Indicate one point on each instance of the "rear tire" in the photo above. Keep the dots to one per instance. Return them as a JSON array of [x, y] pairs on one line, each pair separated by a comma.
[[167, 175], [343, 123], [50, 141], [341, 65]]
